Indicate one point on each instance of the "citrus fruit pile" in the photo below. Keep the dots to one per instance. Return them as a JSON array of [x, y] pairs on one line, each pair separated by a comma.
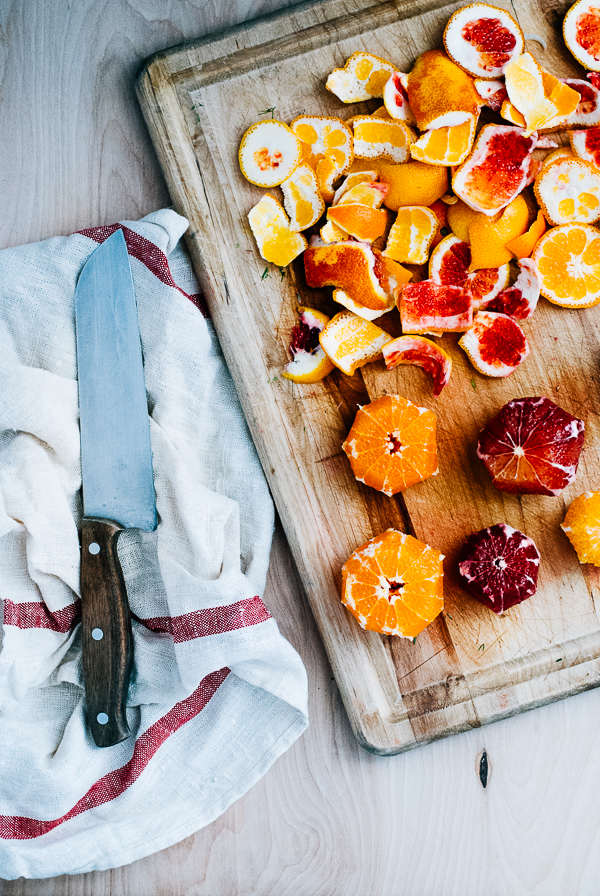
[[433, 207]]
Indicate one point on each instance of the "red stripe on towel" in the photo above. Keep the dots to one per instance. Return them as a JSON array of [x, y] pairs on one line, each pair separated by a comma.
[[212, 621], [36, 614]]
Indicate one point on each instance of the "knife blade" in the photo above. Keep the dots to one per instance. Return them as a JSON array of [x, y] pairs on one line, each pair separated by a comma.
[[117, 476]]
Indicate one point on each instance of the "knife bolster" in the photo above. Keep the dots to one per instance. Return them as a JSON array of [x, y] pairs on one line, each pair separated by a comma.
[[107, 643]]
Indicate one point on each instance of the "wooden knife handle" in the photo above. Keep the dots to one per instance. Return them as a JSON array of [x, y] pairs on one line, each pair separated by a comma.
[[106, 631]]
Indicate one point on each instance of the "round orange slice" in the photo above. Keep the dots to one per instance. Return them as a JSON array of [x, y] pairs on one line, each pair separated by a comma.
[[581, 31], [568, 191], [269, 152], [423, 353], [351, 342], [301, 198], [376, 138], [411, 234], [359, 221], [445, 146], [276, 241], [324, 136], [581, 525], [495, 344], [440, 93], [395, 98], [363, 77], [392, 444], [525, 88], [568, 262], [393, 584], [310, 364], [482, 39]]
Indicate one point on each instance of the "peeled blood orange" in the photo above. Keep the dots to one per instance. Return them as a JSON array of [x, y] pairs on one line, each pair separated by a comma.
[[449, 265], [531, 447], [581, 31], [482, 39]]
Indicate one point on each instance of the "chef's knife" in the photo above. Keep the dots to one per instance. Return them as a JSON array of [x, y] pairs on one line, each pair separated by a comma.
[[116, 465]]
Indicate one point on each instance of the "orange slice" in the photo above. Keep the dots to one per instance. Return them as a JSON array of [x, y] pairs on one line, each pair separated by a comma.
[[581, 31], [360, 221], [525, 88], [301, 198], [498, 168], [310, 364], [430, 307], [411, 235], [270, 225], [568, 191], [353, 267], [422, 352], [482, 39], [363, 77], [323, 137], [523, 245], [331, 233], [445, 146], [413, 183], [393, 584], [586, 145], [395, 98], [581, 525], [342, 298], [488, 236], [440, 93], [495, 344], [351, 342], [391, 444], [568, 262], [269, 152], [375, 138]]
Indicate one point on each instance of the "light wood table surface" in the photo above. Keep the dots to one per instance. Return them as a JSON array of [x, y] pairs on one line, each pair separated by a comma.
[[329, 819]]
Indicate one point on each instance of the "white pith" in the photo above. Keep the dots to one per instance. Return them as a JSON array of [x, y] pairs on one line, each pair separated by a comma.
[[274, 136]]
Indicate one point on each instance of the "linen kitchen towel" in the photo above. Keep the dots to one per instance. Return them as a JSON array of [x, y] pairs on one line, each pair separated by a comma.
[[217, 693]]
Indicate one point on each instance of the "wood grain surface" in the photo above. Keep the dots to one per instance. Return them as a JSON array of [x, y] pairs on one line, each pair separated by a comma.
[[329, 819]]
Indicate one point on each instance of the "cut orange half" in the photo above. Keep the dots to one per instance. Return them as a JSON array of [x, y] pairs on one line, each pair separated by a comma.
[[276, 241], [568, 262], [351, 342], [363, 77], [269, 152], [445, 146]]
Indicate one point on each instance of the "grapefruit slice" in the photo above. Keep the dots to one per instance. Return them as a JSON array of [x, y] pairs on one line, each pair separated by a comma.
[[496, 344], [301, 198], [351, 342], [277, 242], [375, 138], [499, 567], [449, 265], [568, 261], [581, 525], [363, 77], [309, 362], [395, 98], [430, 307], [411, 235], [393, 584], [498, 168], [437, 106], [445, 146], [423, 353], [482, 39], [269, 152], [391, 444], [531, 447], [581, 31], [568, 191]]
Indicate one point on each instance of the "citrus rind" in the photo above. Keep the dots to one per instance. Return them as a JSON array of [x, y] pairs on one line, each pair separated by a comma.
[[423, 353], [445, 146], [482, 39], [568, 192], [525, 88], [581, 32], [380, 139], [342, 298], [351, 266], [434, 106], [269, 152], [324, 136], [363, 77], [395, 99], [277, 243], [310, 364], [411, 235], [431, 308], [586, 145], [519, 300], [359, 221]]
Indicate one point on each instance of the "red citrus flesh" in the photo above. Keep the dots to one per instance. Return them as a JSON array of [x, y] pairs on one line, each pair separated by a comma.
[[519, 300], [499, 566], [587, 30], [453, 270], [429, 307], [499, 167], [532, 447], [495, 100], [492, 41], [587, 112], [594, 79], [592, 145]]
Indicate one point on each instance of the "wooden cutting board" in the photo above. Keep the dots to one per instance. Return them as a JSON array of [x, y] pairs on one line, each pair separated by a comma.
[[469, 667]]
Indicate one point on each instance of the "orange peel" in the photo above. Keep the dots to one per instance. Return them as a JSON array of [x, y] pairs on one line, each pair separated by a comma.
[[586, 145], [445, 146], [363, 77], [353, 267], [269, 152], [351, 342], [423, 353], [342, 298], [568, 262], [522, 246], [395, 98], [488, 236], [360, 221], [310, 364], [353, 179], [482, 39], [376, 138], [277, 242], [568, 191], [411, 235], [301, 198], [434, 107], [412, 183]]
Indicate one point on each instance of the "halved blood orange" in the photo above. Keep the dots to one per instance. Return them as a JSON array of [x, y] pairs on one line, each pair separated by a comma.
[[449, 265], [519, 300], [393, 584], [391, 444], [532, 447], [430, 307], [395, 98], [309, 362], [423, 353], [586, 145], [582, 527], [482, 39], [498, 168], [568, 261], [581, 31], [363, 77], [351, 342], [496, 344], [434, 107], [269, 152]]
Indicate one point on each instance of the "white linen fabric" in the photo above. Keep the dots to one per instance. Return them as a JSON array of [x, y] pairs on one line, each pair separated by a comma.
[[217, 693]]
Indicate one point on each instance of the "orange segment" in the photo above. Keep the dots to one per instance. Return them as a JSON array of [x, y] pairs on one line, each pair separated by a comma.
[[376, 138], [525, 88], [568, 190], [363, 77], [523, 245], [360, 221], [445, 146], [568, 262], [411, 235], [582, 527], [350, 341], [270, 225], [392, 444], [301, 198], [488, 236], [440, 93], [269, 152], [393, 584]]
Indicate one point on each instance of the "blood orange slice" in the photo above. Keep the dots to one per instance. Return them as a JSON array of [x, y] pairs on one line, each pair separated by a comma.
[[499, 567], [310, 364], [449, 265], [437, 107], [496, 344], [430, 307], [582, 527], [498, 168], [519, 300], [482, 39], [391, 444], [581, 31], [423, 353], [393, 584], [532, 447]]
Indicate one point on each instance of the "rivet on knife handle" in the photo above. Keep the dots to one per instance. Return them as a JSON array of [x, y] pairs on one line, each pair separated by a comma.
[[106, 632]]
